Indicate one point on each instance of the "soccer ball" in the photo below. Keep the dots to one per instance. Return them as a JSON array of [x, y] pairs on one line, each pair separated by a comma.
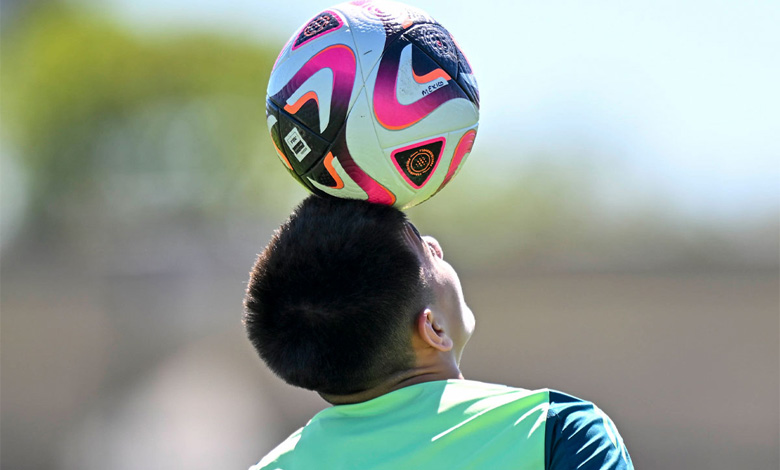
[[373, 100]]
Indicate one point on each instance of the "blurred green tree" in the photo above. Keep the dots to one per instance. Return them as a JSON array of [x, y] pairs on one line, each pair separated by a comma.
[[118, 130], [110, 123], [115, 132]]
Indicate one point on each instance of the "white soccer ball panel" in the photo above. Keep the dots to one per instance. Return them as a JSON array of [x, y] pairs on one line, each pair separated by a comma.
[[367, 80], [454, 114], [291, 60], [368, 35], [350, 189], [435, 154], [365, 149], [304, 56]]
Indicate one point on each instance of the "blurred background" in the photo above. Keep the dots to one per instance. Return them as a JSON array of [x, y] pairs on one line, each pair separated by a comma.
[[616, 226]]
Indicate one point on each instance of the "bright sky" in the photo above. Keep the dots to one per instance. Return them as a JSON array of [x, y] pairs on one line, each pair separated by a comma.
[[681, 97]]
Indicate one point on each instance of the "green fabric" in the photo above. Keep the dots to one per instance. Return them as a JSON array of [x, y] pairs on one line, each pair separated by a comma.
[[444, 424]]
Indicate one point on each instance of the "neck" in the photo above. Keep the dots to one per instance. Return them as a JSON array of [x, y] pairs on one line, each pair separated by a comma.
[[396, 381]]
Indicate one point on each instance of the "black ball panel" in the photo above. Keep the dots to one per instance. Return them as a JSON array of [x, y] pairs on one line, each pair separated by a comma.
[[302, 147], [436, 42], [471, 91]]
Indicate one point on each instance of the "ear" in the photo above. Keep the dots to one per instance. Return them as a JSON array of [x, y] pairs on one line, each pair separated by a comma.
[[431, 331]]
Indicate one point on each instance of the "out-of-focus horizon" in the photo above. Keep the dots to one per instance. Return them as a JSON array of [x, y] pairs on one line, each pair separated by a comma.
[[608, 120], [622, 196], [679, 97]]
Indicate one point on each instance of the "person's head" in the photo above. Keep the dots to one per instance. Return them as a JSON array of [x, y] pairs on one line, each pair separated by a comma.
[[336, 298]]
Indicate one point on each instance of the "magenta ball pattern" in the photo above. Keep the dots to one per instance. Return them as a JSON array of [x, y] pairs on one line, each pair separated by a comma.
[[373, 100]]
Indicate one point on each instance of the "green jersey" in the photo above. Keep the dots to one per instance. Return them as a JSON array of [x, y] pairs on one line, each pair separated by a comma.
[[452, 424]]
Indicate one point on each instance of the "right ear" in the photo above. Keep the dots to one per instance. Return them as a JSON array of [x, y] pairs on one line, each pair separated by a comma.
[[432, 331]]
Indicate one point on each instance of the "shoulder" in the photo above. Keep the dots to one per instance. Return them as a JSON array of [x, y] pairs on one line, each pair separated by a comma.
[[275, 458], [580, 435]]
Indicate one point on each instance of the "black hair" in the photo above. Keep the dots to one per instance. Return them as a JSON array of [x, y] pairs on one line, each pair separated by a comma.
[[332, 300]]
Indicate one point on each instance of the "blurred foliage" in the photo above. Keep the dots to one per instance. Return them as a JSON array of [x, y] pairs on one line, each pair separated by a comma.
[[487, 218], [111, 121], [126, 130], [110, 133]]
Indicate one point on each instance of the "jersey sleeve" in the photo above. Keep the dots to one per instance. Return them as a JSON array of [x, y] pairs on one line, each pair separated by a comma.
[[581, 436]]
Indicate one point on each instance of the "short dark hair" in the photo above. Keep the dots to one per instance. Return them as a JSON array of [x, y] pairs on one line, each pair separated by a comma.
[[332, 300]]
